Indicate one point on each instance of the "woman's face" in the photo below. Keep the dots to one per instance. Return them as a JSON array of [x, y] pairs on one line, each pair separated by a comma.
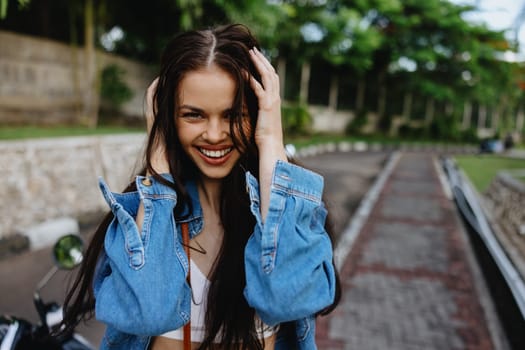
[[203, 121]]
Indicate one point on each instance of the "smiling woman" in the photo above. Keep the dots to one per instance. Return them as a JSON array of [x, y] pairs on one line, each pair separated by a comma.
[[203, 121], [216, 182]]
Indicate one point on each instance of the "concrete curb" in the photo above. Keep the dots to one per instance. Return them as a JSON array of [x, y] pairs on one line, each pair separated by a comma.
[[363, 146], [363, 212]]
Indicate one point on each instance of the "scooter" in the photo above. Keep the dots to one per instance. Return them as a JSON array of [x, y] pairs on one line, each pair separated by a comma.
[[19, 334]]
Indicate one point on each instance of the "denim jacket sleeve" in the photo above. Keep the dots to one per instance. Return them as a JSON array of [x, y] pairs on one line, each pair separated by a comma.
[[139, 283], [288, 259]]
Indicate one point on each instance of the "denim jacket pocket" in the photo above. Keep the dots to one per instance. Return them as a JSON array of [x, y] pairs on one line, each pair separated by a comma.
[[114, 338], [302, 328]]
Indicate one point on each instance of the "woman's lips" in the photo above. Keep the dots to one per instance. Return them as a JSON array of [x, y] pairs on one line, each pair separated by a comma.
[[215, 156], [215, 153]]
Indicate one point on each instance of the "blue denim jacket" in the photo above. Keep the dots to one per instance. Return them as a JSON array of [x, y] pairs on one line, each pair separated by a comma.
[[140, 285]]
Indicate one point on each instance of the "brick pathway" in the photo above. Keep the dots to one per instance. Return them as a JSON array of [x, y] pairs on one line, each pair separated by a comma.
[[407, 283]]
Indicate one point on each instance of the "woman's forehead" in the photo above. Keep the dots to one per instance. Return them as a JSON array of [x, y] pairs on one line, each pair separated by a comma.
[[210, 88]]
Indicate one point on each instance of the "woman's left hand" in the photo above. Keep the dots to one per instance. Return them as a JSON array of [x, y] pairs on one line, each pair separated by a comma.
[[268, 132]]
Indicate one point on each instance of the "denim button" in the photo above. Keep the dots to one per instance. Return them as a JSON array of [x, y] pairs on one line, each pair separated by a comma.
[[146, 182]]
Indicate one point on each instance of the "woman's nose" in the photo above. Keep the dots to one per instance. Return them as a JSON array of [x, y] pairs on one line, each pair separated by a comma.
[[216, 130]]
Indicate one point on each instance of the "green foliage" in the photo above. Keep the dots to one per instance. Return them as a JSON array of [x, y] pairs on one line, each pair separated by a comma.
[[443, 128], [114, 89], [469, 135], [3, 9], [22, 4], [296, 119], [449, 59]]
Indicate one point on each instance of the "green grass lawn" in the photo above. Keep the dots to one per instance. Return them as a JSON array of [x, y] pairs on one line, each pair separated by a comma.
[[481, 169], [26, 132]]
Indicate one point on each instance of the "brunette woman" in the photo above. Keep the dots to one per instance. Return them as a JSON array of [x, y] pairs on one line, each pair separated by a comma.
[[260, 262]]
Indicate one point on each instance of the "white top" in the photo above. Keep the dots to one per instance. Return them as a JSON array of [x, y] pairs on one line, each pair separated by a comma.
[[199, 288]]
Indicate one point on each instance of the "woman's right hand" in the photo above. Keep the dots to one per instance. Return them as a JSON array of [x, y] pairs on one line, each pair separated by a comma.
[[158, 159], [150, 106]]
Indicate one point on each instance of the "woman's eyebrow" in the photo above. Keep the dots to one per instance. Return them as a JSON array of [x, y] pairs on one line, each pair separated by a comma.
[[200, 110], [192, 108]]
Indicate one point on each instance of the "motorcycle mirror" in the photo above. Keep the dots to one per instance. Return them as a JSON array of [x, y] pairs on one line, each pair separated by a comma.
[[68, 252]]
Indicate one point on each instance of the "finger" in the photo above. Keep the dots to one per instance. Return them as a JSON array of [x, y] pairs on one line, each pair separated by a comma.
[[264, 60], [151, 108], [268, 75], [152, 88], [256, 87], [262, 64]]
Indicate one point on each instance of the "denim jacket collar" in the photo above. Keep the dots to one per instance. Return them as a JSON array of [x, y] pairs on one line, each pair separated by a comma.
[[193, 215]]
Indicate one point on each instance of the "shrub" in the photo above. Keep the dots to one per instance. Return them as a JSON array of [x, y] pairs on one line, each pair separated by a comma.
[[355, 126], [113, 90], [444, 128], [408, 132], [469, 135], [296, 119]]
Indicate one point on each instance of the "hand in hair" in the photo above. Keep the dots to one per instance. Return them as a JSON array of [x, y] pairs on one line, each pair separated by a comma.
[[150, 112], [268, 131], [159, 161]]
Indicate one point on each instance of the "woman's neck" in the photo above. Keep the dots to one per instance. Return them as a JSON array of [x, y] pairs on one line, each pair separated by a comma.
[[210, 194]]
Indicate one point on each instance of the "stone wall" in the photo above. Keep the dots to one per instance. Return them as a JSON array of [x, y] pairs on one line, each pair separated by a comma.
[[505, 202], [327, 119], [507, 198], [54, 178], [40, 77]]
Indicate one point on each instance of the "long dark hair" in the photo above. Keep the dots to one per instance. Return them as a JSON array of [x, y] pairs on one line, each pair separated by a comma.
[[228, 314]]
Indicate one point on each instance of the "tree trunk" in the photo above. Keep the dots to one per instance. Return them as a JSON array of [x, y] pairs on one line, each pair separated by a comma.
[[407, 106], [381, 96], [502, 114], [360, 96], [520, 119], [429, 111], [90, 108], [334, 92], [305, 82], [467, 115], [281, 70], [449, 108], [482, 117], [494, 122]]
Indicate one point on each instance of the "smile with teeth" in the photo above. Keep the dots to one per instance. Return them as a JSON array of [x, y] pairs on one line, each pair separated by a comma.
[[215, 154]]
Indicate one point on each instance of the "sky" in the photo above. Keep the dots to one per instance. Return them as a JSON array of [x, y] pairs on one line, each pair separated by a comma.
[[498, 14]]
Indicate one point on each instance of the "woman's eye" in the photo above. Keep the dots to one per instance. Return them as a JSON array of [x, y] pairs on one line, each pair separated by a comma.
[[191, 115]]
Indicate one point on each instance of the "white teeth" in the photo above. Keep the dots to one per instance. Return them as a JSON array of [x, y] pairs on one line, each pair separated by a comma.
[[215, 154]]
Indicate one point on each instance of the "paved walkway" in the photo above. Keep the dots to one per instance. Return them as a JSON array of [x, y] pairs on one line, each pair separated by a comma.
[[408, 280]]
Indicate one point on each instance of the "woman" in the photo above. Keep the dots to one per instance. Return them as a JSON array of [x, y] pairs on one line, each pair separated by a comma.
[[261, 260]]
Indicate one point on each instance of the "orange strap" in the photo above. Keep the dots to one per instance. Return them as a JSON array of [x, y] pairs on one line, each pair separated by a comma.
[[186, 244]]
